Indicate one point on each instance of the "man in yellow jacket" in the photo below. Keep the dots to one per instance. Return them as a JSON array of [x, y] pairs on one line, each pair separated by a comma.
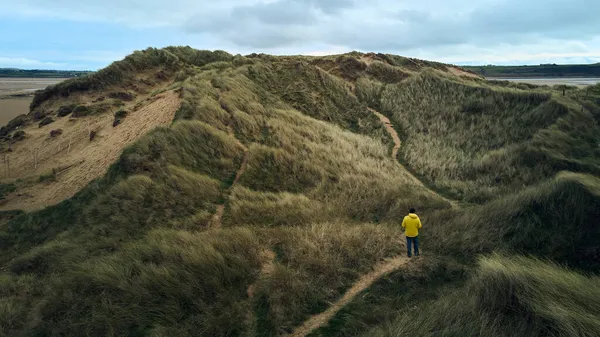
[[411, 225]]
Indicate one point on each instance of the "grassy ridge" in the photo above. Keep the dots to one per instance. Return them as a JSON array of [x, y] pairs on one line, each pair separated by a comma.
[[512, 296], [556, 220], [131, 254], [476, 141], [123, 72]]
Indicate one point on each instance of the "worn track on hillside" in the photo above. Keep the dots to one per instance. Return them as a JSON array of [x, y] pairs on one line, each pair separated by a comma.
[[215, 221], [359, 286], [397, 143]]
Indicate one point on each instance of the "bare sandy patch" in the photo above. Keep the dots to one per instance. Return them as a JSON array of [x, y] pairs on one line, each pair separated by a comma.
[[76, 159], [460, 72]]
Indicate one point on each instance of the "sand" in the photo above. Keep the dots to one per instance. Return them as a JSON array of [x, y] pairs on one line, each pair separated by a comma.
[[12, 107], [81, 161]]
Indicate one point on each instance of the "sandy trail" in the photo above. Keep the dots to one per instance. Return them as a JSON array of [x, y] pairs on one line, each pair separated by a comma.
[[389, 128], [463, 73], [392, 132], [363, 283]]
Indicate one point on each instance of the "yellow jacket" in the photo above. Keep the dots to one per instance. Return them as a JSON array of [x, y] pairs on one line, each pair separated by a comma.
[[411, 223]]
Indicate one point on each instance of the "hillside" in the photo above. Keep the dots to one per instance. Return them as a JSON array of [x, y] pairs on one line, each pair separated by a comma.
[[207, 194], [542, 70]]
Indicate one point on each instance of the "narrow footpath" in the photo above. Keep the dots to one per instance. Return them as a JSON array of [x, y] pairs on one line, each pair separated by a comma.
[[380, 270], [392, 132]]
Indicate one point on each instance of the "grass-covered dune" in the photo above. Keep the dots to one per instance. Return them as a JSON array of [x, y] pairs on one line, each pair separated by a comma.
[[508, 296], [274, 191]]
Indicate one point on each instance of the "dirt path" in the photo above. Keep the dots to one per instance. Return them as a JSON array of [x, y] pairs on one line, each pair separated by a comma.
[[363, 283], [390, 129]]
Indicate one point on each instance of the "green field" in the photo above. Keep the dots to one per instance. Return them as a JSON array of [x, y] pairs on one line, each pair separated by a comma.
[[505, 177]]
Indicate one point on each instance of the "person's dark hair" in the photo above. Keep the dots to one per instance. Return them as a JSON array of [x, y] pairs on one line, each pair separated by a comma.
[[412, 210]]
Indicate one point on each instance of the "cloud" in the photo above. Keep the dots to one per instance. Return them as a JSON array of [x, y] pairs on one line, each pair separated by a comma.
[[385, 25], [436, 29], [19, 62]]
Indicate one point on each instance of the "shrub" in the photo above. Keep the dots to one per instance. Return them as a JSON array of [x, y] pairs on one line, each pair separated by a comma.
[[66, 109], [122, 95], [16, 122], [6, 188], [39, 115], [46, 121], [121, 113], [48, 177], [81, 110], [18, 136], [119, 116]]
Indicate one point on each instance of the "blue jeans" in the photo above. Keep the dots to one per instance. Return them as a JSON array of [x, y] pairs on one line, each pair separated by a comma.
[[412, 242]]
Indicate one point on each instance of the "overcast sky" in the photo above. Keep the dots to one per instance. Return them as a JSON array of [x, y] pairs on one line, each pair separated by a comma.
[[89, 34]]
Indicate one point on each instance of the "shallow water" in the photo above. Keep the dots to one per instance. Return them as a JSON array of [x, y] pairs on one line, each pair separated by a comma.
[[12, 86], [576, 81], [11, 90], [12, 107]]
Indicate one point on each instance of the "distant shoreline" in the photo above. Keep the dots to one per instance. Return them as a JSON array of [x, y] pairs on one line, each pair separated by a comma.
[[539, 71], [17, 87], [540, 77], [547, 80], [41, 73]]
